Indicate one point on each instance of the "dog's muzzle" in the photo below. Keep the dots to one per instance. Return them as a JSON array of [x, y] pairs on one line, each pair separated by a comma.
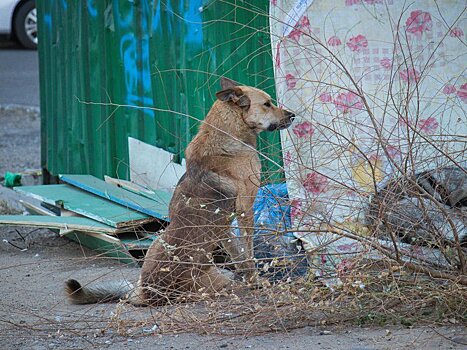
[[285, 123]]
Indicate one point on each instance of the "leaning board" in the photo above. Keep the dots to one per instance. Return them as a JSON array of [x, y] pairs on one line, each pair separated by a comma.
[[58, 222], [156, 207]]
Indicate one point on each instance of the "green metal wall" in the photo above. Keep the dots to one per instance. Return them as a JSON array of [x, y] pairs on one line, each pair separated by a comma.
[[163, 54]]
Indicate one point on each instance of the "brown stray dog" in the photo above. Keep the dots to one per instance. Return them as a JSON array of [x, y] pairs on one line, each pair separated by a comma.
[[222, 179]]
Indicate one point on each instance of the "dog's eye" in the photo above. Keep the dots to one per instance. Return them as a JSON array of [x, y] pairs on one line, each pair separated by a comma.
[[267, 104]]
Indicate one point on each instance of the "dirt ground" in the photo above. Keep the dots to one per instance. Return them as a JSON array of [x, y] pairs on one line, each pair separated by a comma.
[[35, 315]]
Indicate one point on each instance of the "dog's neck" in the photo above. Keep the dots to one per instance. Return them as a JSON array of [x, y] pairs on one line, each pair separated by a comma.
[[224, 125]]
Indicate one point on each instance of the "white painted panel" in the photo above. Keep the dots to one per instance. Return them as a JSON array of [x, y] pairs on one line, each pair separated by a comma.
[[152, 166]]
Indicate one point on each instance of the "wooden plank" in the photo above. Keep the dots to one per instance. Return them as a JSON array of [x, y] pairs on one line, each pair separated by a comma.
[[35, 209], [131, 186], [38, 210], [133, 242], [102, 243], [126, 247], [86, 204], [157, 207], [58, 222], [119, 248]]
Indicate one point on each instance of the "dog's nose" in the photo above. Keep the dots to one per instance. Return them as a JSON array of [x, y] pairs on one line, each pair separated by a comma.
[[290, 115]]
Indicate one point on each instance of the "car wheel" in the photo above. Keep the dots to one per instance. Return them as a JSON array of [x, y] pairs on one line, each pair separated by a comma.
[[25, 25]]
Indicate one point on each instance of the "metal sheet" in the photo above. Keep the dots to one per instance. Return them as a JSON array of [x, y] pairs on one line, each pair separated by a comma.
[[162, 54]]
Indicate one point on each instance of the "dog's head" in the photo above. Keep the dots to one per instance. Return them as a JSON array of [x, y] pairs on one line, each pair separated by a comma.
[[258, 111]]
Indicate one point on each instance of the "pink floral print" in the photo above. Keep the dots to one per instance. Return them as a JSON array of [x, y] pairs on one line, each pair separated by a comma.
[[295, 34], [278, 55], [315, 183], [358, 2], [357, 43], [348, 101], [404, 121], [325, 97], [352, 2], [418, 22], [288, 158], [324, 260], [462, 92], [393, 152], [410, 75], [456, 32], [291, 81], [449, 89], [373, 2], [348, 247], [344, 267], [428, 126], [386, 63], [303, 129], [295, 209], [334, 41], [299, 29]]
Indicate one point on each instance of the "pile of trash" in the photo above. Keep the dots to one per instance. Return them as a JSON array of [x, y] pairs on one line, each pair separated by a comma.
[[117, 218]]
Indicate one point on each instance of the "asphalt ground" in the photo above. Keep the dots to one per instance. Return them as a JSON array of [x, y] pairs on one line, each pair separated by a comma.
[[19, 75]]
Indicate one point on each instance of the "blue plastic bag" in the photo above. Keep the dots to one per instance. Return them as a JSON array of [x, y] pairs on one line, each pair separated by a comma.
[[278, 252]]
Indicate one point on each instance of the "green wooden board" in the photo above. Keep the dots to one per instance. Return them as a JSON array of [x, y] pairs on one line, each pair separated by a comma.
[[58, 222], [86, 204], [115, 250], [126, 248], [157, 207]]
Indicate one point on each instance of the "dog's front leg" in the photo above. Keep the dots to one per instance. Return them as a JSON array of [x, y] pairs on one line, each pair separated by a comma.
[[245, 217]]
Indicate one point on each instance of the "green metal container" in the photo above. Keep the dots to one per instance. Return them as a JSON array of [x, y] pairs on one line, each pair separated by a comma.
[[169, 55]]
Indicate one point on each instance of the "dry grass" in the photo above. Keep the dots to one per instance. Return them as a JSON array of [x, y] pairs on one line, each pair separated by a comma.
[[390, 296]]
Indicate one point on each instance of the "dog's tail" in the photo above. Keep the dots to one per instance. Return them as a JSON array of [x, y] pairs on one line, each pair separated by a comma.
[[97, 293]]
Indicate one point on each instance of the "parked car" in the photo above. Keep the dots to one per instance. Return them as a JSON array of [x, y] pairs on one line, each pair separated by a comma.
[[18, 18]]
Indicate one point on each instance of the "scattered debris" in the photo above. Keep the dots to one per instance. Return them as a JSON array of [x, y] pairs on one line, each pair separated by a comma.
[[156, 206], [75, 223], [425, 209], [28, 177], [86, 204], [12, 179], [99, 215]]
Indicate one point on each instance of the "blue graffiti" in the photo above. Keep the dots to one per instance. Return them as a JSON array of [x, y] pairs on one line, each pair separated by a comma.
[[64, 4], [134, 53], [156, 20], [124, 22], [48, 16], [193, 22], [48, 20], [91, 8]]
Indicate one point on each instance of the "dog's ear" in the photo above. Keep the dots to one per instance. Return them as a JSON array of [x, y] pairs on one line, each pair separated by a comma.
[[228, 94], [227, 83], [244, 102], [236, 95]]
